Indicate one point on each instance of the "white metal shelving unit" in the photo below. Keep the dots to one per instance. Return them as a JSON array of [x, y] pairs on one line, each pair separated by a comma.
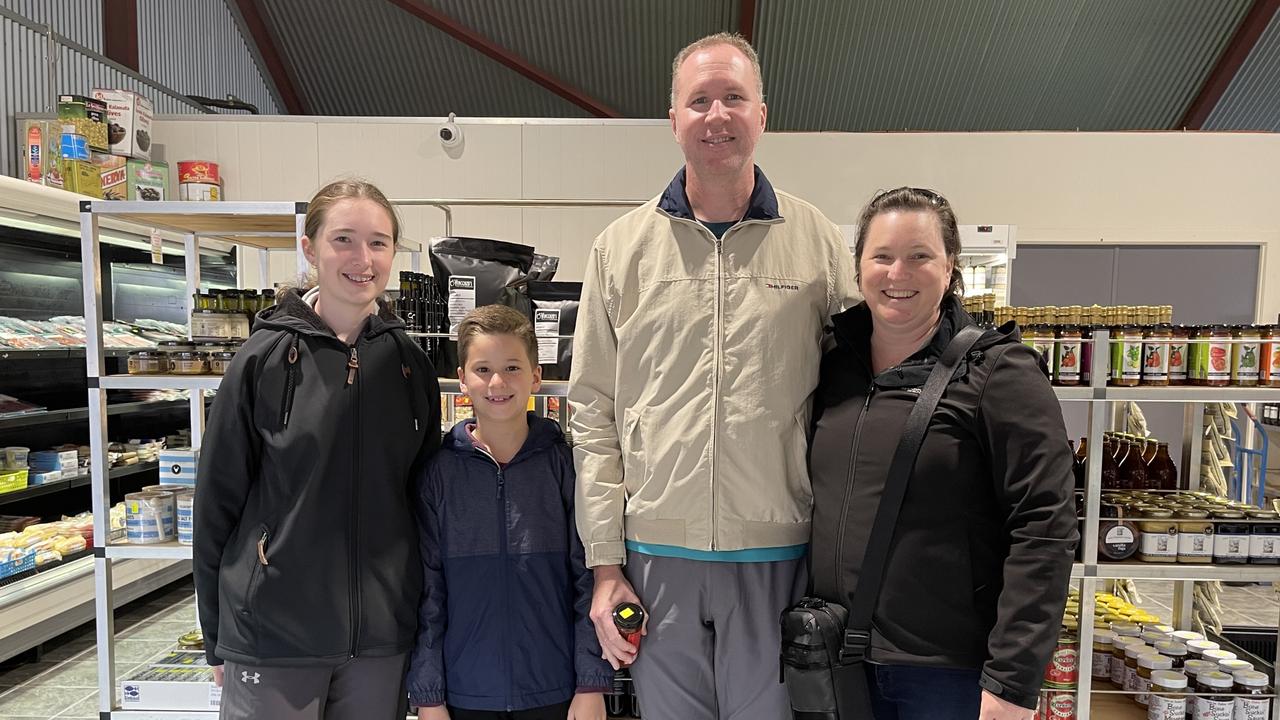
[[1090, 571], [262, 225]]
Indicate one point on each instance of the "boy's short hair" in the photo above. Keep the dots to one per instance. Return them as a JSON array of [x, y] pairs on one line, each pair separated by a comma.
[[496, 320]]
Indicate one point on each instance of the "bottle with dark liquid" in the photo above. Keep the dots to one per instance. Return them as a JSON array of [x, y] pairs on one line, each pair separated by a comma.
[[1162, 472], [1133, 471], [1110, 469], [1081, 463]]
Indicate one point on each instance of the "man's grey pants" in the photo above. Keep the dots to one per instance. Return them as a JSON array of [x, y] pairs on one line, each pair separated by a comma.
[[365, 688], [714, 637]]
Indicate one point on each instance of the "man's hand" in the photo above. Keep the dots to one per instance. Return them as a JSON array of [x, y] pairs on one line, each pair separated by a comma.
[[217, 675], [586, 706], [993, 708], [612, 588], [435, 712]]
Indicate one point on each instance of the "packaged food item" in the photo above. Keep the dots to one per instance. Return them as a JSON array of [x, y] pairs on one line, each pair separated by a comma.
[[148, 362], [188, 363], [1269, 366], [1058, 705], [1217, 356], [1178, 356], [1063, 670], [1147, 664], [1245, 355], [1159, 541], [146, 180], [1175, 651], [1067, 356], [1126, 356], [1213, 696], [128, 122], [1264, 537], [41, 152], [1132, 652], [1168, 696], [15, 457], [81, 176], [1248, 686], [1195, 536], [471, 273], [185, 511], [215, 324], [149, 517], [89, 117], [555, 317], [199, 180], [1155, 355], [1103, 642]]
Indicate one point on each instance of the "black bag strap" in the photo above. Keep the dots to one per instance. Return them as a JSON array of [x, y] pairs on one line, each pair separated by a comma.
[[857, 637]]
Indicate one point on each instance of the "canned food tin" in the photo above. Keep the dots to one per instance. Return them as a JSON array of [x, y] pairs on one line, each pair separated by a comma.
[[149, 517], [1064, 667], [185, 503], [1057, 705]]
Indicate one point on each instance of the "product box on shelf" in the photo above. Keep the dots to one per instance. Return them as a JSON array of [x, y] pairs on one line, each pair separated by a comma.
[[46, 476], [128, 122], [112, 169], [13, 480], [81, 176], [40, 152], [22, 563], [146, 180], [89, 117], [178, 466]]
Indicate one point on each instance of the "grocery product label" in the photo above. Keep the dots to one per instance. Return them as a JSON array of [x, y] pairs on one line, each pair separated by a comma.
[[1195, 545], [1131, 361], [1130, 678], [1059, 706], [1219, 362], [1230, 546], [1143, 686], [546, 325], [1063, 666], [1068, 364], [215, 696], [1119, 535], [1158, 544], [1251, 709], [1274, 357], [1262, 547], [1117, 672], [1210, 709], [462, 300], [1178, 361], [1164, 707], [1101, 665], [1155, 361], [1245, 360]]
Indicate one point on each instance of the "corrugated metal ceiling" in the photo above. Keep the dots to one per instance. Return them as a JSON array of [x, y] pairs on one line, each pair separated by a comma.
[[372, 58], [828, 64], [1252, 100]]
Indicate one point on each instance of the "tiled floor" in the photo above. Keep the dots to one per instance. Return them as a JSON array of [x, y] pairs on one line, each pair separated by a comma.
[[1251, 604], [63, 684]]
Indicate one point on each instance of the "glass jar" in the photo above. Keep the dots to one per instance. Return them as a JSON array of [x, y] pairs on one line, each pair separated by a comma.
[[1067, 355], [1042, 342], [1168, 697], [1126, 356], [148, 362], [1148, 663], [1245, 354], [1213, 696], [1086, 354], [1195, 537], [1151, 636], [1218, 656], [1119, 647], [173, 346], [1230, 538], [1159, 537], [1217, 356], [1195, 374], [1117, 536], [1231, 666], [1174, 650], [1247, 686], [1264, 537], [1103, 642], [1132, 652], [1197, 648], [1178, 356], [220, 361], [1195, 668], [1155, 355], [188, 363], [1269, 368]]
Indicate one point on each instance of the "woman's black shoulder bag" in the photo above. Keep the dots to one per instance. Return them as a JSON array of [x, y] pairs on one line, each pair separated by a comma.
[[824, 645]]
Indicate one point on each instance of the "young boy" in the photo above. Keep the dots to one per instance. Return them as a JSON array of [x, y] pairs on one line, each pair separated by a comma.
[[503, 626]]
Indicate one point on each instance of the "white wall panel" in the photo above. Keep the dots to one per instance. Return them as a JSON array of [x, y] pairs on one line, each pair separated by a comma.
[[196, 47]]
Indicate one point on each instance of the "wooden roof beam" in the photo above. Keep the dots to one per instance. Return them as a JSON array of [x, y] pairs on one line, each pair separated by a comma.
[[1237, 51], [252, 14]]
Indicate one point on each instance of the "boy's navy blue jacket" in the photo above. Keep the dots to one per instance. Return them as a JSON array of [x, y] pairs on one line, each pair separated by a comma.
[[504, 619]]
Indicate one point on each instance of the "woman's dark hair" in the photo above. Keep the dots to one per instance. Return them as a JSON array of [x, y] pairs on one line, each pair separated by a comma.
[[918, 200]]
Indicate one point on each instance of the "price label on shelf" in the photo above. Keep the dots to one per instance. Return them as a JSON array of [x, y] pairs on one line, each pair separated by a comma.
[[157, 247]]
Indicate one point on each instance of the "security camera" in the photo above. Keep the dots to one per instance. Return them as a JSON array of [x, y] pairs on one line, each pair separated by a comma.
[[450, 133]]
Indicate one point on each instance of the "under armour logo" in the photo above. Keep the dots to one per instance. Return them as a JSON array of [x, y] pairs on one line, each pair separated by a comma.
[[245, 677]]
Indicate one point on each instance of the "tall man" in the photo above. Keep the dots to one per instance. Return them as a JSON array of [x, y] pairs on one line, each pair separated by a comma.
[[697, 350]]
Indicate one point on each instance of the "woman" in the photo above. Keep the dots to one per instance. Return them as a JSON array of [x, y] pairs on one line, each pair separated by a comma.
[[306, 560], [978, 568]]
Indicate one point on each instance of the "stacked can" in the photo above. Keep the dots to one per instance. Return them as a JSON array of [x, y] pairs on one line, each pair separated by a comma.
[[149, 517], [185, 501], [1058, 698]]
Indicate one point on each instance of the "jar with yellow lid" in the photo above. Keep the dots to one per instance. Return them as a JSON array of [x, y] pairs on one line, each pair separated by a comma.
[[1249, 687], [1197, 648], [1213, 696], [1147, 663], [1159, 541], [1118, 648], [1168, 697]]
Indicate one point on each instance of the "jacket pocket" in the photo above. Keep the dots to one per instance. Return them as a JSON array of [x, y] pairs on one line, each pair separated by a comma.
[[632, 446], [260, 562]]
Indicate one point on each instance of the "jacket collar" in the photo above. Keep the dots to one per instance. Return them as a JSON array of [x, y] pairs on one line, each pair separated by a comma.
[[294, 313], [543, 434], [762, 206], [853, 332]]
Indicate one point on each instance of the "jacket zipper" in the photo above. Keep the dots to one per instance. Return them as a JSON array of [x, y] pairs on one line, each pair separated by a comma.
[[848, 494], [502, 553], [354, 563], [286, 406], [262, 549], [715, 388]]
